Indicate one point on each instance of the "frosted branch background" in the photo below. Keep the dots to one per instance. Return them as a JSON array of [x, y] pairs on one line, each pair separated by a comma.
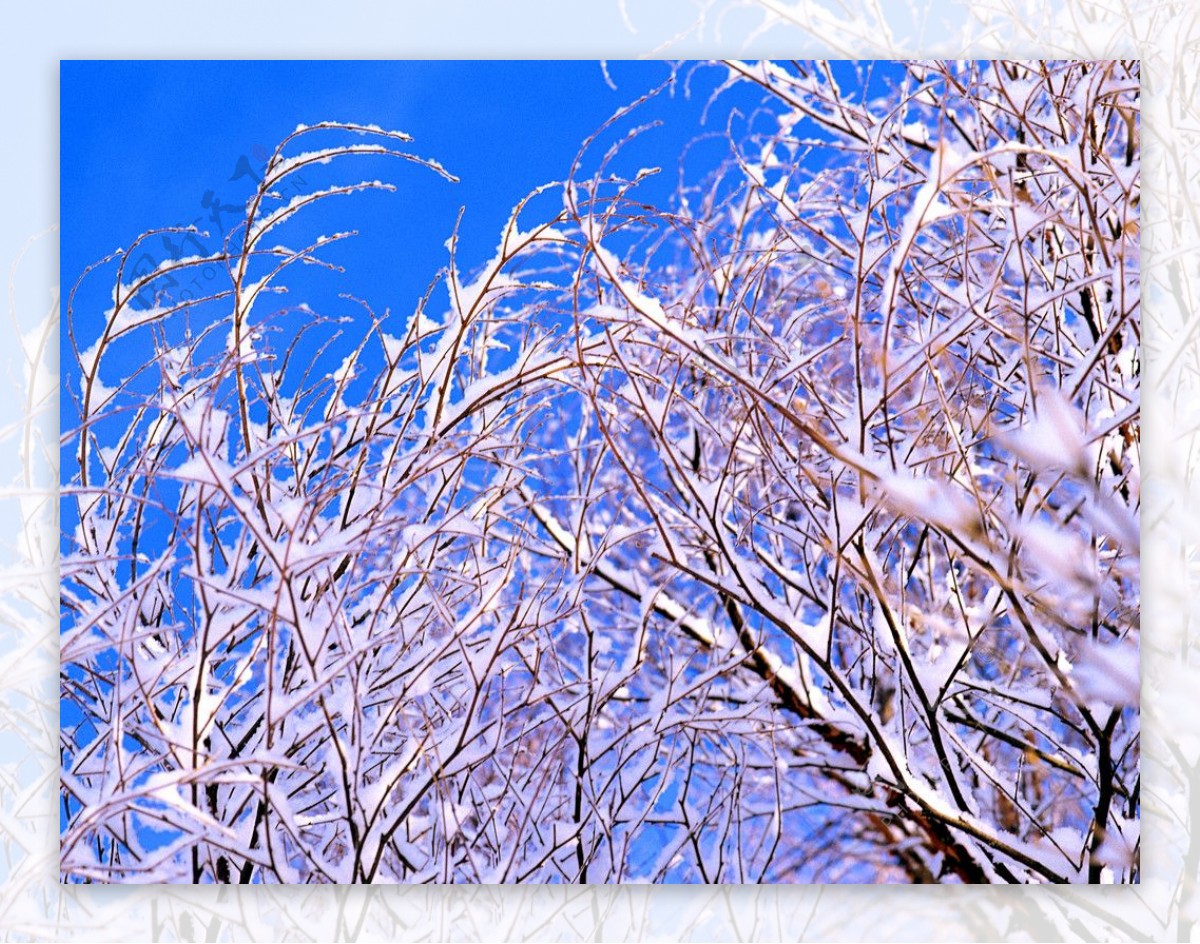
[[1164, 907]]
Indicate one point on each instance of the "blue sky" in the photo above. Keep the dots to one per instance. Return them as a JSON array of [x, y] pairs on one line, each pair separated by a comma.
[[148, 144], [143, 141]]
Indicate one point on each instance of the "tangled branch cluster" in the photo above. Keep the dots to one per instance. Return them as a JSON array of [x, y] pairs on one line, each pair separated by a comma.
[[785, 533]]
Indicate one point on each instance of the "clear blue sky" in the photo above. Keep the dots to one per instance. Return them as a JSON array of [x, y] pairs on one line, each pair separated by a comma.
[[147, 144]]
